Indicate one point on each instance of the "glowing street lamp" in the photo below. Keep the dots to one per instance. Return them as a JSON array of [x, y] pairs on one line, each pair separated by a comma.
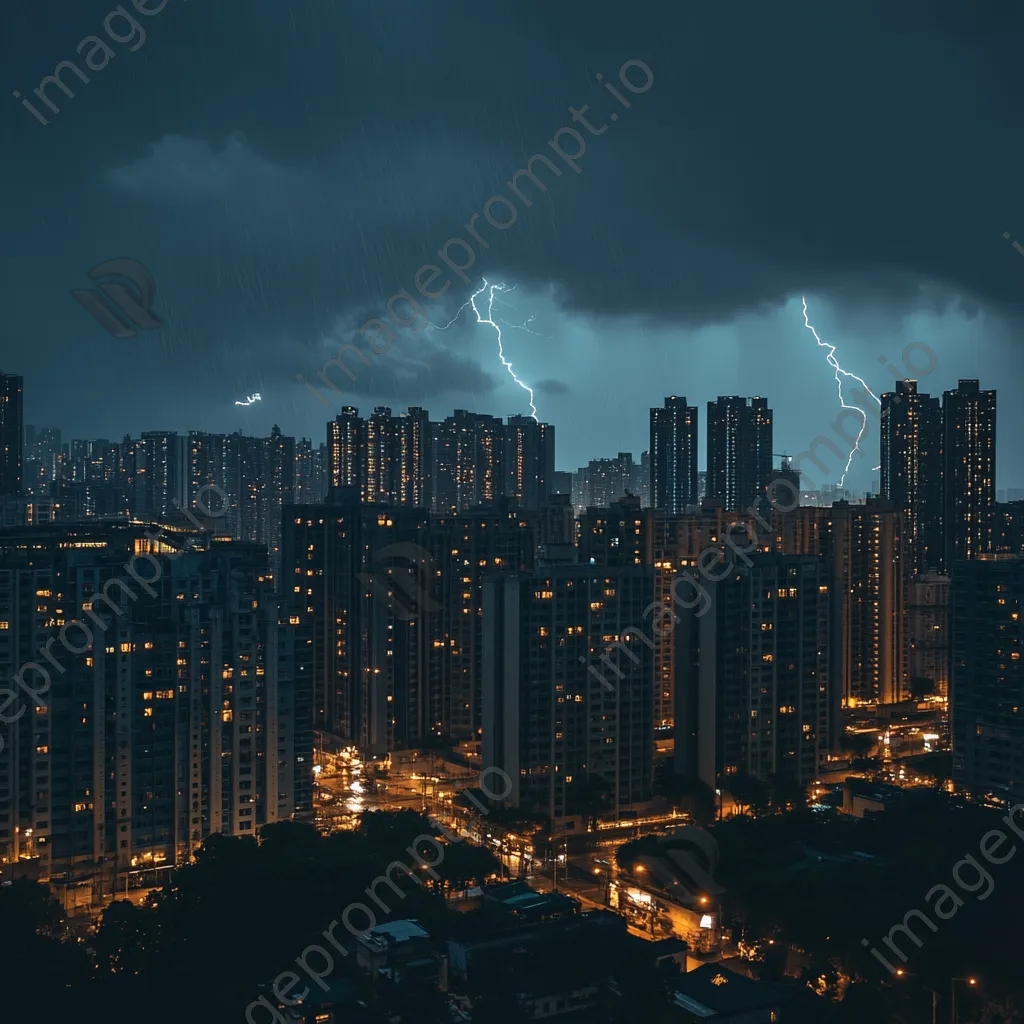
[[969, 980]]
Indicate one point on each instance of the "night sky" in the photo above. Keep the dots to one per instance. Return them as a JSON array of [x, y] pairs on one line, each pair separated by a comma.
[[282, 168]]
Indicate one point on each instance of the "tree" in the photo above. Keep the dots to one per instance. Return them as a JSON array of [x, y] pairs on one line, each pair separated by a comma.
[[859, 744], [787, 793], [1003, 1011], [686, 792], [590, 796], [749, 792]]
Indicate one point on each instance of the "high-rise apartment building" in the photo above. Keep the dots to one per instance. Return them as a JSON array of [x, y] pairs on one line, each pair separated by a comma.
[[568, 687], [42, 460], [987, 685], [739, 449], [863, 548], [870, 640], [415, 440], [160, 473], [468, 461], [674, 456], [161, 701], [258, 476], [357, 579], [969, 470], [386, 457], [783, 488], [604, 481], [529, 460], [383, 458], [310, 472], [346, 449], [1008, 531], [465, 550], [928, 633], [616, 535], [642, 479], [752, 673], [911, 459], [12, 434]]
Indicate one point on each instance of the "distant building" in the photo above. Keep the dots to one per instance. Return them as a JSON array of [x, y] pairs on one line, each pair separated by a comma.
[[346, 450], [1008, 533], [604, 481], [739, 450], [529, 460], [310, 472], [12, 434], [714, 993], [258, 476], [42, 459], [402, 952], [561, 482], [642, 479], [866, 796], [783, 488], [673, 474], [911, 457], [969, 470], [159, 475], [618, 534]]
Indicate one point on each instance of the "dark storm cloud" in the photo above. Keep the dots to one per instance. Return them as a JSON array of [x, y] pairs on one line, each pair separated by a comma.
[[550, 386], [414, 378], [277, 166]]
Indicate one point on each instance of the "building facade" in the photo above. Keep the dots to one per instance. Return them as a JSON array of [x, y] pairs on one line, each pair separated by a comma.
[[986, 695], [739, 450], [673, 456], [568, 685], [161, 700]]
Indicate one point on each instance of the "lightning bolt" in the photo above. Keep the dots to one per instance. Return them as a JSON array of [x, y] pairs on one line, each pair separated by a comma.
[[840, 373], [491, 322], [250, 400], [524, 326]]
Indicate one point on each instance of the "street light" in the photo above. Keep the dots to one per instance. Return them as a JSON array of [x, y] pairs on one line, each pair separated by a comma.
[[971, 981], [901, 973]]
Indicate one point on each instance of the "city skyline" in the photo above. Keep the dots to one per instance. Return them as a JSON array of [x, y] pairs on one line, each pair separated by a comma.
[[863, 478]]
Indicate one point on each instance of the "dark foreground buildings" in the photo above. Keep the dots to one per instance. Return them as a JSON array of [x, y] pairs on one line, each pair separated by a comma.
[[987, 685], [157, 698]]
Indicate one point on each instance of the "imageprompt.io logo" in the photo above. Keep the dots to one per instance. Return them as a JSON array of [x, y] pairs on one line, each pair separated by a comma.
[[124, 304]]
